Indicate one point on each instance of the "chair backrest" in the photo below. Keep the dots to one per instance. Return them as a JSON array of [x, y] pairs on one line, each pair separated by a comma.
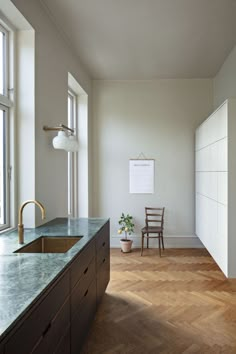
[[154, 217]]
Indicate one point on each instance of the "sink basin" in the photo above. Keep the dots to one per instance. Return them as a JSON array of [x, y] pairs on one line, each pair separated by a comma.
[[50, 244]]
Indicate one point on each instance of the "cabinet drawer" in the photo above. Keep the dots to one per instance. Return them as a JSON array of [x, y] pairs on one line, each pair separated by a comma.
[[80, 264], [55, 331], [103, 253], [103, 237], [82, 286], [1, 349], [81, 322], [34, 325], [103, 278], [64, 345]]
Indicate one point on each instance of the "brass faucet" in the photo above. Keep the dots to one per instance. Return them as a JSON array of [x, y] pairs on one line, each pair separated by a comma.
[[20, 225]]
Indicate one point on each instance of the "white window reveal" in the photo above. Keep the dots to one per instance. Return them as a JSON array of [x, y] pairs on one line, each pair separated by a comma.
[[72, 157]]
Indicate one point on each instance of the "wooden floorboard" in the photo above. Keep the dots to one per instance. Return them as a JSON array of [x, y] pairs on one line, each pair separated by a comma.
[[179, 303]]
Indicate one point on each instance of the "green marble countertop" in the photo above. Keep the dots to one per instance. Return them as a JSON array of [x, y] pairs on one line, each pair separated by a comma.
[[24, 276]]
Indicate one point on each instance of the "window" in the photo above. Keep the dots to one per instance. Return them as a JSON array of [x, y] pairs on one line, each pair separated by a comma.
[[5, 107], [72, 158], [3, 60]]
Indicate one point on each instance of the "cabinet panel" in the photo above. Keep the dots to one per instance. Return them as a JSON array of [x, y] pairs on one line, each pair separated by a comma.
[[202, 159], [206, 216], [206, 184], [101, 255], [222, 153], [39, 319], [221, 239], [204, 141], [207, 159], [223, 187], [220, 121], [55, 332], [84, 316], [102, 238], [64, 344], [103, 277], [213, 158], [82, 286], [198, 215], [212, 129], [212, 224], [103, 261], [80, 264]]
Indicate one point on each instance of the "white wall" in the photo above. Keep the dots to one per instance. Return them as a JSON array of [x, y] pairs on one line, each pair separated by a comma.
[[53, 60], [157, 118], [225, 80]]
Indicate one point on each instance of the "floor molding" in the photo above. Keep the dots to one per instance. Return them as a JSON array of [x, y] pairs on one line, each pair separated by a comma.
[[173, 241]]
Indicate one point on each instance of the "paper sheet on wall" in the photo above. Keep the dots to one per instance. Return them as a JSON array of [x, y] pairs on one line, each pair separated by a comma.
[[141, 176]]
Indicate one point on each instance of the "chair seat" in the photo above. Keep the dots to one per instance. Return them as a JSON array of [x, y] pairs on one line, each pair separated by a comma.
[[151, 229]]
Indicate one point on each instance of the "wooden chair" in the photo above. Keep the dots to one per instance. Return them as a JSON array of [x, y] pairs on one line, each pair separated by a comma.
[[154, 226]]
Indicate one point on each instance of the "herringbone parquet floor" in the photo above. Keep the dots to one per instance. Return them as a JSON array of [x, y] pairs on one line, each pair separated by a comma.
[[179, 303]]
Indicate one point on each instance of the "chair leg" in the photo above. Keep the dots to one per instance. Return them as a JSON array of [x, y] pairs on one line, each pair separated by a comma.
[[162, 241], [159, 241], [147, 241], [142, 245]]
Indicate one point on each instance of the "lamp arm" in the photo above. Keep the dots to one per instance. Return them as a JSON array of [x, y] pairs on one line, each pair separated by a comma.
[[61, 127]]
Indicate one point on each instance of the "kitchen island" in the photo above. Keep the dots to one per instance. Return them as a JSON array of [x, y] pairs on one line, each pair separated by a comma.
[[48, 300]]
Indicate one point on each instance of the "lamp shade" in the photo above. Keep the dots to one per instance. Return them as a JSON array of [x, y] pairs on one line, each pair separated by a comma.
[[60, 141], [72, 144]]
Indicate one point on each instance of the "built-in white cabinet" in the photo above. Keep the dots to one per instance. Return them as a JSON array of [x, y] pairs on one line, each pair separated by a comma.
[[215, 185]]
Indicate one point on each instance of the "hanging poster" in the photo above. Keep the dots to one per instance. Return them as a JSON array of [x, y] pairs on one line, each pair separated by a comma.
[[141, 176]]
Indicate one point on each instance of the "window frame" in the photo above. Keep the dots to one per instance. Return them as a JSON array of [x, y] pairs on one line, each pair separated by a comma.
[[5, 192], [5, 60], [73, 157], [6, 104]]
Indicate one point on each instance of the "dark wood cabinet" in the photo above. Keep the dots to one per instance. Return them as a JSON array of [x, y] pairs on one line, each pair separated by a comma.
[[1, 349], [79, 265], [55, 331], [83, 296], [63, 346], [42, 319], [60, 320], [102, 260], [83, 317]]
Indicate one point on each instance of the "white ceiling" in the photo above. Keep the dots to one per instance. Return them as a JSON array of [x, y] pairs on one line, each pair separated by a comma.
[[148, 39]]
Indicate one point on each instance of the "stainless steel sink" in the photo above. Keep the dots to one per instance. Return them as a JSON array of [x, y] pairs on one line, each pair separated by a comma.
[[50, 244]]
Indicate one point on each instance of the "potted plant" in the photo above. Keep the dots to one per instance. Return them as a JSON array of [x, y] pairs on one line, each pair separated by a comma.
[[127, 226]]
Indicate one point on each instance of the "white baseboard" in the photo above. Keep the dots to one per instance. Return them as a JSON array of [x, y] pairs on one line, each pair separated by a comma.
[[173, 241]]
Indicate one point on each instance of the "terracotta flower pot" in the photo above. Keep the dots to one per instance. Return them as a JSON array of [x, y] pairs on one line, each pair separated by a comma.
[[126, 245]]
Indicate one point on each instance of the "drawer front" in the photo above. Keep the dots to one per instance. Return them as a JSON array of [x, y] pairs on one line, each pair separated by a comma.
[[64, 345], [103, 278], [103, 253], [80, 264], [81, 322], [34, 325], [103, 237], [82, 286], [55, 331]]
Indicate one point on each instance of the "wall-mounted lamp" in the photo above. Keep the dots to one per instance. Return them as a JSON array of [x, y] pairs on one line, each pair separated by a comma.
[[62, 140]]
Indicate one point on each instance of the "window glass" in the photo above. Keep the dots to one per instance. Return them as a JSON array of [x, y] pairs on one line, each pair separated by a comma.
[[5, 110], [1, 62], [3, 182], [72, 158]]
